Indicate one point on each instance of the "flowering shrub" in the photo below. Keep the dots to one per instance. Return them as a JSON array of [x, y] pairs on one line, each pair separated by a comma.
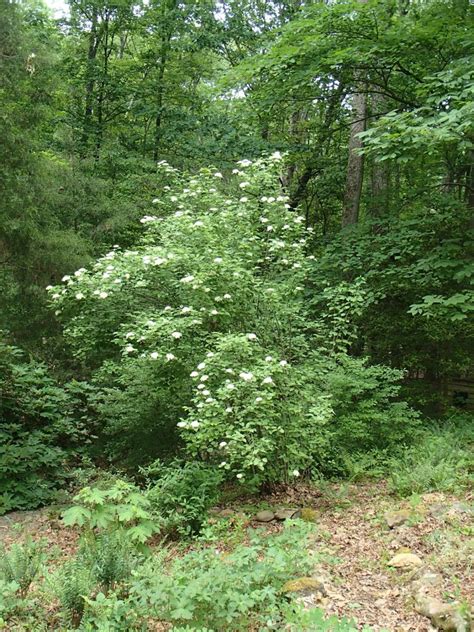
[[201, 334]]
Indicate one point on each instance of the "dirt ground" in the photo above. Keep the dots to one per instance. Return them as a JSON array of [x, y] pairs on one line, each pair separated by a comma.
[[352, 547]]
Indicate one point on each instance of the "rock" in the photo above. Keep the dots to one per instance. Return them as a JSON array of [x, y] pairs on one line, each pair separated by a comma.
[[446, 617], [287, 514], [424, 580], [397, 518], [406, 561], [309, 515], [264, 516], [305, 586], [226, 513]]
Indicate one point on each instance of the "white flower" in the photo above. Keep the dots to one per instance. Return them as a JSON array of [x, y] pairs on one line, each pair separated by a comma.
[[213, 312], [176, 335], [158, 261], [167, 308], [187, 279], [252, 336], [182, 424], [276, 155], [227, 297], [173, 198], [129, 349], [222, 464], [299, 219], [269, 229], [271, 199], [218, 174], [283, 363], [186, 310], [103, 295], [194, 374], [246, 376], [154, 355], [198, 223], [65, 278], [204, 378], [218, 260], [201, 386], [267, 380], [170, 356], [210, 354], [201, 366], [228, 409], [222, 444], [155, 201], [268, 358], [206, 392], [242, 185], [130, 334], [235, 171], [244, 199], [259, 399], [209, 400], [264, 220], [146, 260], [79, 295], [295, 473], [230, 386], [79, 272], [239, 476], [49, 287], [245, 162], [117, 280]]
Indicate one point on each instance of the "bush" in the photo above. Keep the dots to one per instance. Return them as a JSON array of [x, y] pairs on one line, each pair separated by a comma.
[[219, 591], [442, 460], [206, 341], [39, 428], [119, 507], [182, 493]]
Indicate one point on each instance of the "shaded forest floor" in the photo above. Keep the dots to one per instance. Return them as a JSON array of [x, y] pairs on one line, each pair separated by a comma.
[[352, 546]]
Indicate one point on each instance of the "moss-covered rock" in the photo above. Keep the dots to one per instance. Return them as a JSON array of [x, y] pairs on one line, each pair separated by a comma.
[[308, 514], [304, 586]]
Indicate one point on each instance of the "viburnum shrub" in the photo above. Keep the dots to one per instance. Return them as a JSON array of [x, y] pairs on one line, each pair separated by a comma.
[[200, 334]]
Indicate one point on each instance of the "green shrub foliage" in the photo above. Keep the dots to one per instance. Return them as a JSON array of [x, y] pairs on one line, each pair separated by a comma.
[[181, 494], [202, 337], [40, 425]]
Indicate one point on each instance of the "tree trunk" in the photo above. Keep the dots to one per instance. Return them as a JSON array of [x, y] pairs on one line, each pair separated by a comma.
[[355, 164], [89, 98]]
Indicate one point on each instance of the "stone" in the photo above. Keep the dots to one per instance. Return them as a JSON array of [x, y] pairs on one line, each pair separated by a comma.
[[309, 515], [397, 518], [425, 579], [443, 616], [265, 516], [287, 514], [406, 561], [305, 587]]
